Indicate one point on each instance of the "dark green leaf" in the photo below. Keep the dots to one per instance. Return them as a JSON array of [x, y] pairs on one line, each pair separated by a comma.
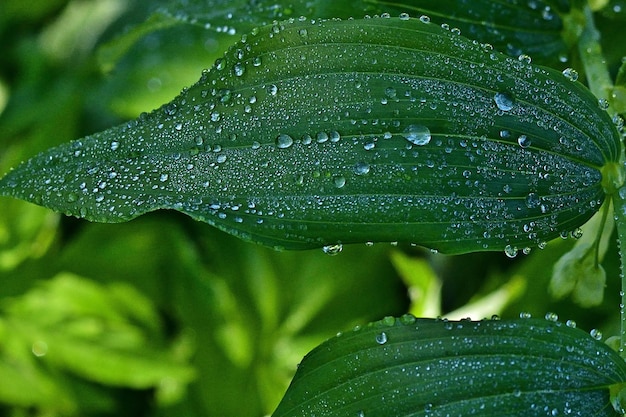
[[540, 29], [309, 134], [424, 367]]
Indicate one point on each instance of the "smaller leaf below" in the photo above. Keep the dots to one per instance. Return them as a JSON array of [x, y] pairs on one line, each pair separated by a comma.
[[428, 367]]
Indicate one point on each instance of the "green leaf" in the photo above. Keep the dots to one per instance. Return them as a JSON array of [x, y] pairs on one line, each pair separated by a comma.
[[540, 29], [427, 367], [317, 133]]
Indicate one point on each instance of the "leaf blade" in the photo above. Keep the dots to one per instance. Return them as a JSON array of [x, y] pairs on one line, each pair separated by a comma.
[[308, 134], [436, 367]]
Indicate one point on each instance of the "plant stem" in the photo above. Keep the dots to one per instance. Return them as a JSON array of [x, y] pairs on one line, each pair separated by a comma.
[[619, 204], [598, 77], [601, 85]]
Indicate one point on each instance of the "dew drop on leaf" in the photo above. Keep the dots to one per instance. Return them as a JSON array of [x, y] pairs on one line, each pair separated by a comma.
[[417, 134], [532, 200], [381, 338], [332, 249], [571, 74], [361, 168], [510, 251], [340, 182], [551, 316], [322, 137], [524, 141], [596, 334], [504, 101], [284, 141]]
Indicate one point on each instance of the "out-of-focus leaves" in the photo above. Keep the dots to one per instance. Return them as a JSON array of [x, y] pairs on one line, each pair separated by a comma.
[[579, 271], [424, 287], [110, 335]]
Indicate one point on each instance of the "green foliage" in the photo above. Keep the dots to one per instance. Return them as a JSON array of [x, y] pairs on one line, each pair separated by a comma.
[[163, 315]]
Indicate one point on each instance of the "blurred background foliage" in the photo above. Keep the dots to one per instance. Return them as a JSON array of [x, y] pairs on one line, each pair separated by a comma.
[[167, 316]]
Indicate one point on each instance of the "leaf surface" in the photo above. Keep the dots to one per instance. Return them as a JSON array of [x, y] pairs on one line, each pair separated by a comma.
[[428, 367], [316, 133], [544, 30]]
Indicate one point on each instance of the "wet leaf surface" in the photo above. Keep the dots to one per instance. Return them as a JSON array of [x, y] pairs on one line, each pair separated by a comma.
[[316, 133], [428, 367]]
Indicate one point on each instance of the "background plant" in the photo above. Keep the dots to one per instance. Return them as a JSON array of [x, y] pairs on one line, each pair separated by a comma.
[[220, 310]]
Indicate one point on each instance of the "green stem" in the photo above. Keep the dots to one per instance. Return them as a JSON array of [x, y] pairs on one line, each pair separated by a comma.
[[600, 84], [598, 77], [619, 202]]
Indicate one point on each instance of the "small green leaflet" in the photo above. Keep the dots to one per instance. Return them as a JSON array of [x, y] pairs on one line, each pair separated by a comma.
[[428, 367], [316, 133]]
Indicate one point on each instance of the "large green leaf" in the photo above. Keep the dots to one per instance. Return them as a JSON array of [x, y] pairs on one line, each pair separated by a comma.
[[427, 367], [316, 133]]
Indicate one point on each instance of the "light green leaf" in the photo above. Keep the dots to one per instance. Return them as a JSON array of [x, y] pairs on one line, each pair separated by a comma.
[[309, 134], [106, 335], [426, 367]]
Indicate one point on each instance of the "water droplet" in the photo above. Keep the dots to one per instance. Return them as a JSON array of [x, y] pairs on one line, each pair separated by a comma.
[[334, 136], [303, 33], [596, 334], [526, 59], [272, 89], [381, 338], [603, 103], [571, 74], [551, 316], [407, 319], [322, 137], [424, 19], [339, 182], [368, 146], [570, 323], [404, 16], [256, 61], [332, 249], [525, 315], [39, 348], [163, 177], [524, 141], [417, 134], [239, 69], [510, 251], [221, 159], [577, 233], [504, 101], [284, 141], [361, 168], [532, 201], [115, 145]]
